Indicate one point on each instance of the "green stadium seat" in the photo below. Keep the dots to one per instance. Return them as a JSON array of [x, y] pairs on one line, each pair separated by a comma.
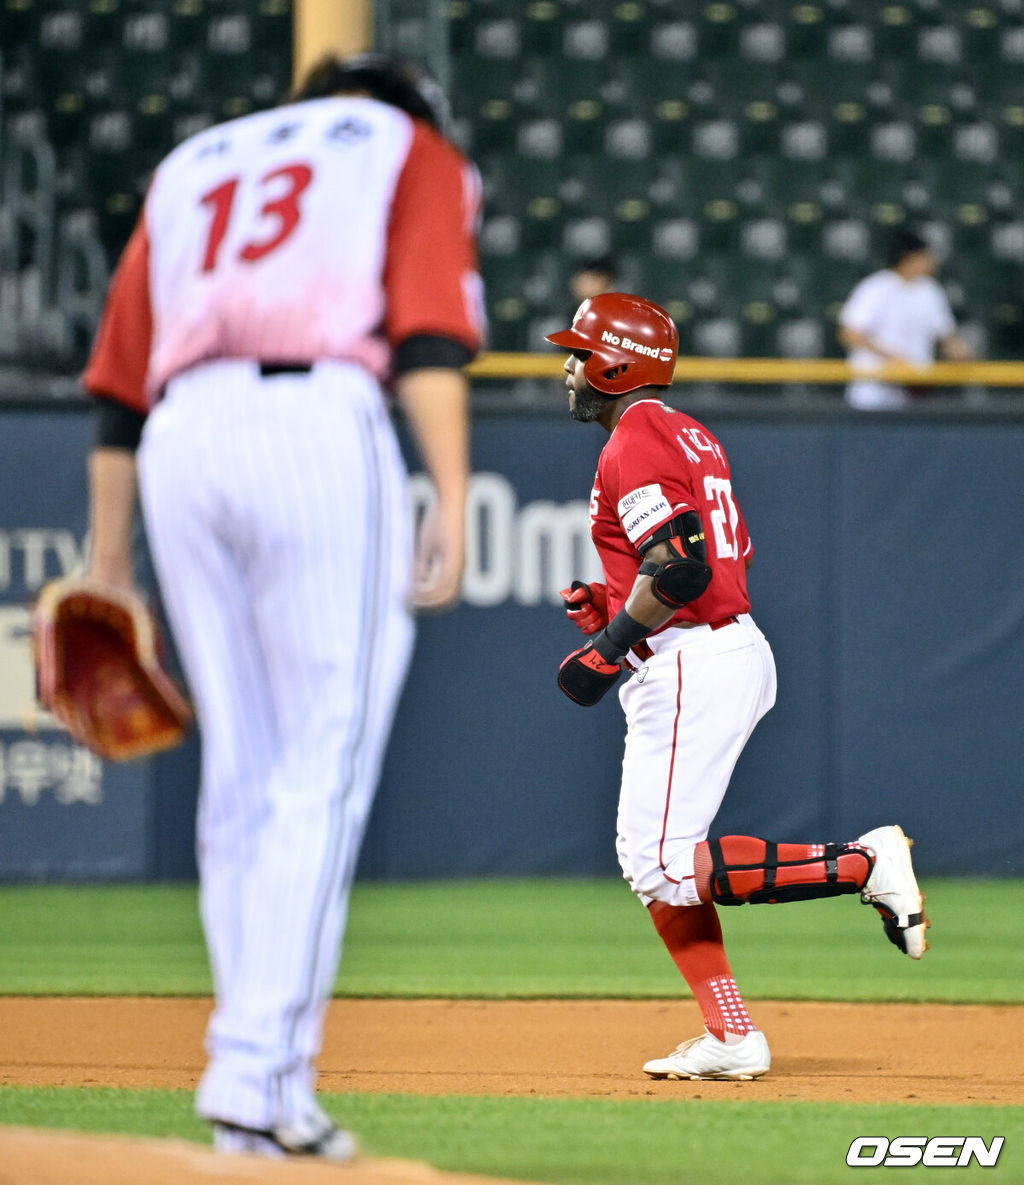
[[718, 30], [630, 27], [500, 235], [807, 28], [539, 139], [981, 29], [762, 41], [145, 31], [667, 280], [586, 38], [187, 29], [673, 40], [228, 32], [832, 280], [628, 140], [494, 118], [717, 337], [1004, 322], [672, 240], [497, 37], [631, 225], [584, 126], [762, 241], [66, 117], [272, 26], [800, 337], [586, 237], [542, 28], [847, 241], [738, 82], [18, 23], [507, 326], [895, 28], [459, 22], [759, 327], [543, 222]]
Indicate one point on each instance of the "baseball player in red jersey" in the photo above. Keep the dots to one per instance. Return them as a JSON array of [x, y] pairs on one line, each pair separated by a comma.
[[286, 267], [673, 610]]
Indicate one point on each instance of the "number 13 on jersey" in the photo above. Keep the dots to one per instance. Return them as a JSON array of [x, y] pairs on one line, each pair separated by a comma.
[[724, 517], [280, 210]]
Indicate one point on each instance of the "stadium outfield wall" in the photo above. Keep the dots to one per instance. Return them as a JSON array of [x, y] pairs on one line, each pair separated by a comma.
[[887, 576]]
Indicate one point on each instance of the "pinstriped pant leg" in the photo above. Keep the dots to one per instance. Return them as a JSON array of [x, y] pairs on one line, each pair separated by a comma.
[[207, 604], [317, 514]]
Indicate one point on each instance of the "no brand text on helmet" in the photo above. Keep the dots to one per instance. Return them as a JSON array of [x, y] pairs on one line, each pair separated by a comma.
[[663, 354]]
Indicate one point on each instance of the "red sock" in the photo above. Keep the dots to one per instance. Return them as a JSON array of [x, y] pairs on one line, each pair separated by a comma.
[[693, 936], [796, 865]]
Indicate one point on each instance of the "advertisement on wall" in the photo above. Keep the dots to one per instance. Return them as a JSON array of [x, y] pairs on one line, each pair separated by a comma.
[[492, 771]]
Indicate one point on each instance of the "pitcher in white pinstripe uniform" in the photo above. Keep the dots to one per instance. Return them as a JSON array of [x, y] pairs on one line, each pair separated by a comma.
[[286, 269]]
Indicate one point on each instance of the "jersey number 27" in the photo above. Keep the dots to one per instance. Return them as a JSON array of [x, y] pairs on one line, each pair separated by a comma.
[[282, 212], [724, 516]]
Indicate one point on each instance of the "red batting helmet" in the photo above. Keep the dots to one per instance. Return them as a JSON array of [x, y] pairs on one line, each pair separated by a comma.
[[632, 343]]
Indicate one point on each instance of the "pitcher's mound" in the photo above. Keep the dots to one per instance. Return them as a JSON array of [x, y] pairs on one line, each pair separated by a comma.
[[30, 1156]]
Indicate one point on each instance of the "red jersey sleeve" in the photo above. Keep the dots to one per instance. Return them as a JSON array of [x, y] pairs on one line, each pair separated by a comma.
[[120, 355], [430, 275]]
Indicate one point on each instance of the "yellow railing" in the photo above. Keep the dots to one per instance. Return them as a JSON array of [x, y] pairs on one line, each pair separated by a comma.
[[773, 370]]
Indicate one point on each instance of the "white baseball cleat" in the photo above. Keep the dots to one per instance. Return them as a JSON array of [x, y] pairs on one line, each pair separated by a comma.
[[316, 1135], [707, 1057], [892, 889], [244, 1141], [312, 1136]]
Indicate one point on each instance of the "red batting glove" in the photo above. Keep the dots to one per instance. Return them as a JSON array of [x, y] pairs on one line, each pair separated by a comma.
[[586, 605]]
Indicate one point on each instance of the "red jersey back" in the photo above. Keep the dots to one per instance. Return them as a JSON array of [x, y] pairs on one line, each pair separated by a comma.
[[659, 463]]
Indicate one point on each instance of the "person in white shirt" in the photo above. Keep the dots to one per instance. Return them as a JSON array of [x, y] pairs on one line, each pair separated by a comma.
[[898, 314]]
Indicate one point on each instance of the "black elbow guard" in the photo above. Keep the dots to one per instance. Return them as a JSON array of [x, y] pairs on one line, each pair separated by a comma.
[[685, 576], [677, 582]]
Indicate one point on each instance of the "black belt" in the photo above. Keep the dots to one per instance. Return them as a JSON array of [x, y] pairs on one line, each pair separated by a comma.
[[269, 369]]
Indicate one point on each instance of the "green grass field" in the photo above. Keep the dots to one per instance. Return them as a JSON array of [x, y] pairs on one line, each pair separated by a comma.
[[573, 1141], [521, 938], [543, 938]]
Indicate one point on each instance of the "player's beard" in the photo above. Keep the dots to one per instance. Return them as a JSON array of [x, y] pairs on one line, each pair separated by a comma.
[[587, 406]]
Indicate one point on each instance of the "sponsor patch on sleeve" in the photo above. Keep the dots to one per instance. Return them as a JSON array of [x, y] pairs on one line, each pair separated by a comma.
[[643, 509]]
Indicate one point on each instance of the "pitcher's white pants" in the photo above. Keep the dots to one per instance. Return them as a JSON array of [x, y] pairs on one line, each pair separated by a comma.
[[277, 514], [690, 709]]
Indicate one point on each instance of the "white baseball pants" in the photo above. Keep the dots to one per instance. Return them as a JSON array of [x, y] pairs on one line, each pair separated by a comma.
[[690, 709], [277, 514]]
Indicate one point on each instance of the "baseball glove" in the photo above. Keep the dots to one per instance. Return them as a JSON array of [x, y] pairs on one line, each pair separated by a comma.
[[98, 672]]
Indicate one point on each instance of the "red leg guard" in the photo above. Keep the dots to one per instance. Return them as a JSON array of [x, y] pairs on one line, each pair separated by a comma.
[[741, 869]]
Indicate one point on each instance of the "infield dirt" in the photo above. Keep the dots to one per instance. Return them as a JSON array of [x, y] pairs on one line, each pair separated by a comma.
[[883, 1053]]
